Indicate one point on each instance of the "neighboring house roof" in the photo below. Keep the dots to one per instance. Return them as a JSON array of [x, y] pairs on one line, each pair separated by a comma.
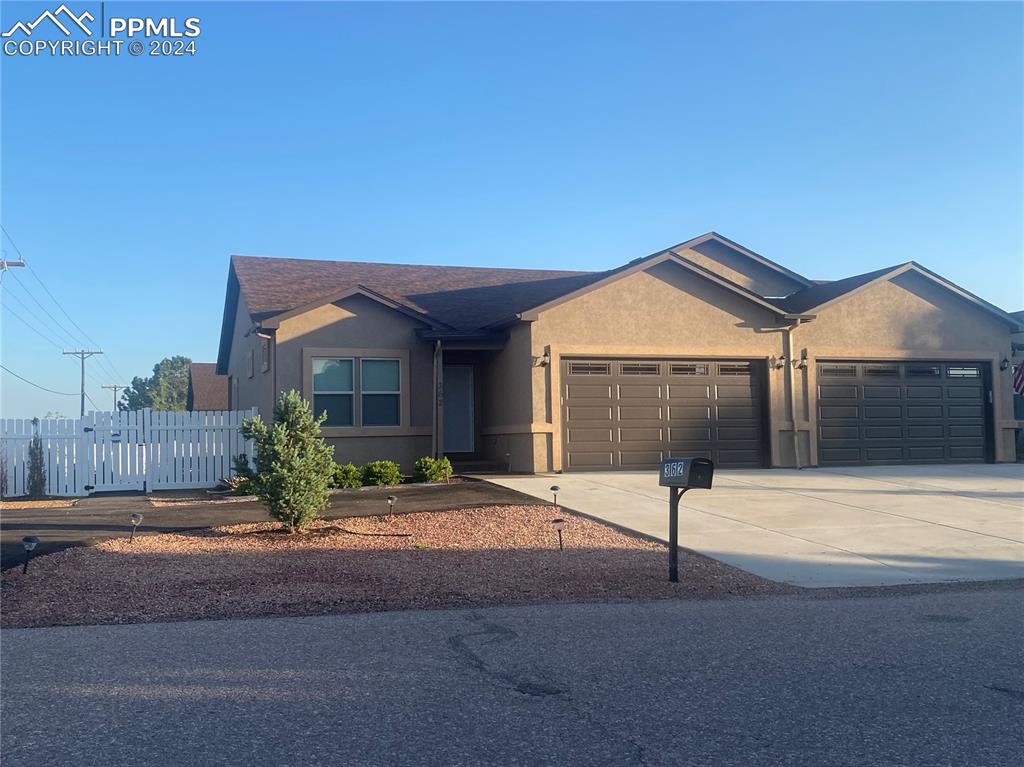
[[207, 390]]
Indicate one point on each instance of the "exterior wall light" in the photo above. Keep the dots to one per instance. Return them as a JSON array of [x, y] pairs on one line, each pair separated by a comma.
[[136, 521], [559, 524], [544, 360], [29, 542], [1004, 364], [777, 363]]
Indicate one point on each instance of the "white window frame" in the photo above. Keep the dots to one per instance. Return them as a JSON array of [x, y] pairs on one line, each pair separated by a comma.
[[363, 392], [351, 392]]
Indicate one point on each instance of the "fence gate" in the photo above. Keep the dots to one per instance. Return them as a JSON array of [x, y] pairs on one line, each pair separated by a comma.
[[127, 450]]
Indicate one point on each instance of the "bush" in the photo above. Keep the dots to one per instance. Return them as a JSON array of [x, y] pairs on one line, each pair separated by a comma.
[[294, 466], [347, 475], [382, 473], [35, 482], [428, 469]]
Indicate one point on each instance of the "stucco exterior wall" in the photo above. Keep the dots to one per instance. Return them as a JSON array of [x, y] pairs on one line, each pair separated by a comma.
[[723, 260], [255, 391], [664, 311]]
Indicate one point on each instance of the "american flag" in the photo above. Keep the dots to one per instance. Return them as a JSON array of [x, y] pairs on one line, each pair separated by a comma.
[[1018, 380]]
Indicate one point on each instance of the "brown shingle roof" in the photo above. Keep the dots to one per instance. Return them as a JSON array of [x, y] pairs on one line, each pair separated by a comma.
[[460, 297], [206, 389]]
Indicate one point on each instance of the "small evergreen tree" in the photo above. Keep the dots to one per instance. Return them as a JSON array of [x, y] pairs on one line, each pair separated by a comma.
[[294, 466], [36, 480]]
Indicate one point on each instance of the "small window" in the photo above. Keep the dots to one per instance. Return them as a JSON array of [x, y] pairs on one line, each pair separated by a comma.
[[690, 369], [249, 364], [882, 371], [380, 388], [923, 371], [332, 390], [837, 371], [590, 369], [734, 369], [232, 393], [264, 354], [965, 371], [639, 368]]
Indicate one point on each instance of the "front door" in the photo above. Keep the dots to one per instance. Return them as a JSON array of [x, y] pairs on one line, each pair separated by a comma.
[[459, 424]]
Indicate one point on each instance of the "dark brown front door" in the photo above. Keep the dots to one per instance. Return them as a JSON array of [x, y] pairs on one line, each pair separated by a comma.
[[901, 412], [633, 413]]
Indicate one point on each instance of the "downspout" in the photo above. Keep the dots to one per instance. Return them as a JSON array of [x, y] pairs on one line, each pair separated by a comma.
[[788, 351], [436, 446]]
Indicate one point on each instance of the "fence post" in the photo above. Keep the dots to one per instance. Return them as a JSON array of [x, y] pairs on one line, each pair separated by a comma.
[[144, 437]]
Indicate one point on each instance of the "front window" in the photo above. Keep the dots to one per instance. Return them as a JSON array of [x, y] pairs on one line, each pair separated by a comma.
[[333, 391], [380, 389]]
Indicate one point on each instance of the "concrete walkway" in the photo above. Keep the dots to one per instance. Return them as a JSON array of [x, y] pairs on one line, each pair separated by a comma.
[[857, 526]]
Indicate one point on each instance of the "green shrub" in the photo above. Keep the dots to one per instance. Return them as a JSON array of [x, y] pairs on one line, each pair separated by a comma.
[[35, 482], [294, 466], [347, 475], [382, 473], [428, 469]]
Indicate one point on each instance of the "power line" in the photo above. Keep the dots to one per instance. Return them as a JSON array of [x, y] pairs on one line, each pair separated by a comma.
[[53, 298], [38, 303], [83, 355], [31, 327], [39, 319], [30, 383]]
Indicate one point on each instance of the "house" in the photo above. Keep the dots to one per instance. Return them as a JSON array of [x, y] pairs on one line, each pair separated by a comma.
[[207, 390], [704, 348]]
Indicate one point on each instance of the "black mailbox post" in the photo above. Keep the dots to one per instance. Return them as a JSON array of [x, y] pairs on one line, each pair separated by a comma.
[[680, 475]]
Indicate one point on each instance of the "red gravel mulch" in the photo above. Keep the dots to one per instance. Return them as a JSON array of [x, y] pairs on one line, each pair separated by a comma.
[[471, 557]]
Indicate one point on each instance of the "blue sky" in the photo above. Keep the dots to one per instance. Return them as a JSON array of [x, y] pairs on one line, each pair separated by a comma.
[[833, 138]]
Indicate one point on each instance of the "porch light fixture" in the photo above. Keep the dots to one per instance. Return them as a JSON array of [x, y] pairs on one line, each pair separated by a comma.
[[545, 360], [136, 521], [777, 362], [558, 524], [1004, 364], [29, 542], [554, 491], [391, 503], [801, 364]]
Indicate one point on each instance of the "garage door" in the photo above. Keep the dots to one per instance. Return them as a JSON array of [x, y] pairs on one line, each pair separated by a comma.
[[889, 412], [632, 413]]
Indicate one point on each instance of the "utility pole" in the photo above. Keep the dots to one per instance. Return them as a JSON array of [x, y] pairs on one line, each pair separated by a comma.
[[83, 355], [116, 388], [5, 264]]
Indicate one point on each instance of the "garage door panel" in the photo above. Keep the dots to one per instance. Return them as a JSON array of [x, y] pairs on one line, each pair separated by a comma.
[[639, 391], [578, 414], [661, 408], [589, 392], [920, 413]]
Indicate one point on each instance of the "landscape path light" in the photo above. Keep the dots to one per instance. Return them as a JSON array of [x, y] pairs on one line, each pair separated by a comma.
[[29, 542], [508, 462], [391, 503], [554, 492], [136, 521], [558, 524]]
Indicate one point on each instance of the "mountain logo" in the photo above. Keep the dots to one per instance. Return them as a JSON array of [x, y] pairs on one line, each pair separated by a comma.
[[62, 12]]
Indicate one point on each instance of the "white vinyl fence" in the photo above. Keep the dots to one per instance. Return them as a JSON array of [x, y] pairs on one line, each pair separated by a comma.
[[127, 450]]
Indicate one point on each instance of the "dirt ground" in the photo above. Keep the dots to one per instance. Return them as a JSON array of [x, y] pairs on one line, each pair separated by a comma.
[[469, 557]]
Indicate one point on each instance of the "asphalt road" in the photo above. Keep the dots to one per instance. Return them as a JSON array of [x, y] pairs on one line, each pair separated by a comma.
[[929, 679]]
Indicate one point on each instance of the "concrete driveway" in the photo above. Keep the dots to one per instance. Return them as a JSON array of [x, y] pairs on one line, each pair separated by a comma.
[[853, 526]]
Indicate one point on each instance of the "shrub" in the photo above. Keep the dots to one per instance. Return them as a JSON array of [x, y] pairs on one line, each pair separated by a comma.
[[35, 482], [293, 463], [347, 475], [428, 469], [382, 473]]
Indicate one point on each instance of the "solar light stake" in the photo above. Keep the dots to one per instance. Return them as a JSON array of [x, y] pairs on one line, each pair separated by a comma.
[[136, 521], [554, 491], [391, 504], [558, 525], [29, 542], [508, 461]]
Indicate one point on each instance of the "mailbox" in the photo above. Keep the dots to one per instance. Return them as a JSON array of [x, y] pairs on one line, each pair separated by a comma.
[[687, 473]]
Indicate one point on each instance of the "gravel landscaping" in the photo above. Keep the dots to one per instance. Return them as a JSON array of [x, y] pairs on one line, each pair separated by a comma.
[[45, 503], [469, 557]]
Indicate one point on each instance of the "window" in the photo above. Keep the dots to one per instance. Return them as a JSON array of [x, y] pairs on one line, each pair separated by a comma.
[[589, 369], [380, 389], [882, 371], [957, 371], [249, 364], [232, 395], [264, 354], [734, 369], [922, 371], [333, 391], [837, 371], [690, 369], [639, 369]]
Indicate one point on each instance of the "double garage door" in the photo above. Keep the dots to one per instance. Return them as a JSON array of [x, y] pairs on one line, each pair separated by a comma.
[[633, 413], [901, 412]]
